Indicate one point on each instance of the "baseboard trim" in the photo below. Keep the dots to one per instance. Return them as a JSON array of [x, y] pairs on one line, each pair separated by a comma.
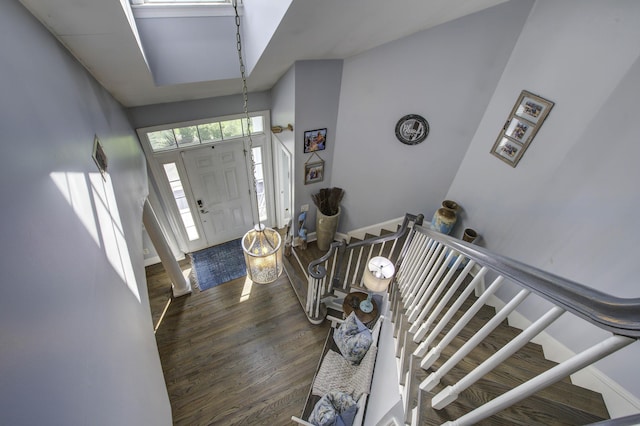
[[151, 261], [389, 225], [618, 400]]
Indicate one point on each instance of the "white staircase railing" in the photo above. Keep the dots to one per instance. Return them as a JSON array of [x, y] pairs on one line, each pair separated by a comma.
[[439, 287], [435, 279]]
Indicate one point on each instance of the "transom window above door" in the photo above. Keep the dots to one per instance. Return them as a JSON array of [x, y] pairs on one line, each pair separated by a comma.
[[180, 137]]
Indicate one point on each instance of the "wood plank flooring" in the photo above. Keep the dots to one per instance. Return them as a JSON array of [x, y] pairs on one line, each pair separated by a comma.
[[234, 355]]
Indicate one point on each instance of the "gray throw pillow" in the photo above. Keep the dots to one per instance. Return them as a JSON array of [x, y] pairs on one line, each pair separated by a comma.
[[334, 409], [353, 339]]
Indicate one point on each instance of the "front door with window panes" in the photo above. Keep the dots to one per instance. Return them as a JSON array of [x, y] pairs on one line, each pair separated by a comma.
[[218, 179], [205, 177]]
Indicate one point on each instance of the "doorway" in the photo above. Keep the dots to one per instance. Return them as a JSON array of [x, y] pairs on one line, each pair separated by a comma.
[[205, 179]]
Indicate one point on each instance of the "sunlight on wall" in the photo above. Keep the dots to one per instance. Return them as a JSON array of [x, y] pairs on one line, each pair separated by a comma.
[[92, 198], [74, 188], [246, 290]]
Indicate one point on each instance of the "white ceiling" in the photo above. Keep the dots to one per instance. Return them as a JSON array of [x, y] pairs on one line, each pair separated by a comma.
[[98, 34]]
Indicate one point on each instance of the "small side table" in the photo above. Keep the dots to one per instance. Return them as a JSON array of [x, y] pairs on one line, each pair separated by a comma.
[[352, 304]]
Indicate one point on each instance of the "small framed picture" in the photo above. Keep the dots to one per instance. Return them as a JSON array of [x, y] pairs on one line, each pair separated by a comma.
[[509, 149], [519, 130], [313, 172], [532, 108], [315, 140], [99, 156], [523, 123]]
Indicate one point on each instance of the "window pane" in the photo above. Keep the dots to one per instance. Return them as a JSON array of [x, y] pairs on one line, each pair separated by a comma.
[[210, 132], [231, 129], [176, 188], [162, 140], [192, 233], [171, 171], [182, 203], [258, 173], [257, 155], [186, 1], [186, 136], [257, 125]]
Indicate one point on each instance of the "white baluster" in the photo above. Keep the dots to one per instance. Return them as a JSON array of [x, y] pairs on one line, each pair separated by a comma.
[[450, 393], [357, 268], [417, 258], [424, 328], [434, 298], [435, 377], [432, 280], [424, 268], [424, 346], [461, 323], [553, 375], [345, 284]]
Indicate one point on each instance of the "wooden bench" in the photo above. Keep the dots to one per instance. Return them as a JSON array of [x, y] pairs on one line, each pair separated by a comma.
[[336, 373]]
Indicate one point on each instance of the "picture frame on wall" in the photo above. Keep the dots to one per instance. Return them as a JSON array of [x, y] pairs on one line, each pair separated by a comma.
[[99, 156], [313, 172], [523, 123], [315, 140]]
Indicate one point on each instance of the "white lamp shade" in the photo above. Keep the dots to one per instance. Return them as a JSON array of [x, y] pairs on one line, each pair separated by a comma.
[[378, 274], [262, 254]]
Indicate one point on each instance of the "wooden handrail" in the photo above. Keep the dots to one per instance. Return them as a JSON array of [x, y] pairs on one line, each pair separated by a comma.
[[615, 314]]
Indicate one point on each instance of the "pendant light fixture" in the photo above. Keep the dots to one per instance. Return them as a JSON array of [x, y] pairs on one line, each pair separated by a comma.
[[261, 245]]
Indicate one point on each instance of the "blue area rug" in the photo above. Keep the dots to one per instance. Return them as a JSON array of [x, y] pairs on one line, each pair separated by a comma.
[[219, 264]]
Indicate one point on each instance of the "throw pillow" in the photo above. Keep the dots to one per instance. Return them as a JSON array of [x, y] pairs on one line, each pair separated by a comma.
[[353, 339], [334, 409]]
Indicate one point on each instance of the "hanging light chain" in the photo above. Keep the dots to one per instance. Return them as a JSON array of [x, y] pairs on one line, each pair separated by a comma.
[[245, 97]]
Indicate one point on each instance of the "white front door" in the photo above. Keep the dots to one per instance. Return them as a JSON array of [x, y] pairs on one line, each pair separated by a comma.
[[220, 187]]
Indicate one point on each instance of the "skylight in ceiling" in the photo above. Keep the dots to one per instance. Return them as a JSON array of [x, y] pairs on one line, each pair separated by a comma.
[[180, 2], [182, 8]]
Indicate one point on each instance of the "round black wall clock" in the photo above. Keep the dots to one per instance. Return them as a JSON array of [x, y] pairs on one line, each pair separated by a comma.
[[412, 129]]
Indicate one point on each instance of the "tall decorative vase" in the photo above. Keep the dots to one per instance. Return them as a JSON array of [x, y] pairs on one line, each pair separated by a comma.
[[326, 227], [445, 217]]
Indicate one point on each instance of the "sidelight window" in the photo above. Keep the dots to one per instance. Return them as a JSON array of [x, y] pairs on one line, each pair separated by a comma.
[[181, 200]]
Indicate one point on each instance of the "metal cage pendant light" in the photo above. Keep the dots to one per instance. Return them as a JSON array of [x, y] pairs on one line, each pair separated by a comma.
[[262, 246]]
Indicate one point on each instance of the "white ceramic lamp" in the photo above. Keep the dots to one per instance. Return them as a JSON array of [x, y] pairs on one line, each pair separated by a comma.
[[377, 276]]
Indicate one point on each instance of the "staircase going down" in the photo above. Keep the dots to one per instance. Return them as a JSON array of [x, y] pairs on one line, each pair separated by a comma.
[[458, 360]]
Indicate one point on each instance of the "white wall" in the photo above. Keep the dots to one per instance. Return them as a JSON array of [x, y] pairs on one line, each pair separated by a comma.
[[446, 74], [570, 206], [183, 50], [260, 21], [283, 100], [316, 105], [77, 344], [307, 97]]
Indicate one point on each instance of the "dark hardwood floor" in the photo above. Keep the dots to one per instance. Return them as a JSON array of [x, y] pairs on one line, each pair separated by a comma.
[[233, 354]]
